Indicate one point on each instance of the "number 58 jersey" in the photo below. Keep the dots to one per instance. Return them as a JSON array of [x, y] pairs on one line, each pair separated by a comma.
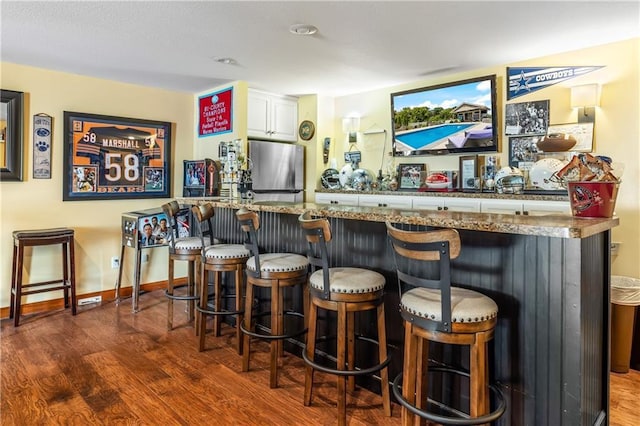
[[121, 154]]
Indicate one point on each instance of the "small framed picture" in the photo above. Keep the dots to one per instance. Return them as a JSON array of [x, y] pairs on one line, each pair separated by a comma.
[[410, 175], [469, 173]]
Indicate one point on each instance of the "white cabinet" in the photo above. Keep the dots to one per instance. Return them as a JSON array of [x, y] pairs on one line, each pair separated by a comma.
[[526, 207], [539, 208], [453, 204], [501, 206], [271, 116], [393, 201], [328, 198]]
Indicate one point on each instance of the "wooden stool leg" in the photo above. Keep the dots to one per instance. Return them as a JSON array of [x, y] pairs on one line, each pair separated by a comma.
[[341, 355], [72, 271], [65, 275], [14, 282], [191, 266], [351, 349], [478, 379], [311, 349], [276, 328], [409, 372], [238, 302], [18, 300], [422, 376], [217, 302], [204, 295], [170, 292], [246, 351], [382, 355]]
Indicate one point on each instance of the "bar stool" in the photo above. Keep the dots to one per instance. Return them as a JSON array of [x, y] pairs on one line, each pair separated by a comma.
[[218, 258], [274, 271], [433, 310], [187, 249], [346, 291], [42, 237]]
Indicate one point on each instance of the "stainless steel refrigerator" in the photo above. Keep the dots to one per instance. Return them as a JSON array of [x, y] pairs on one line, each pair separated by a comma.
[[277, 171]]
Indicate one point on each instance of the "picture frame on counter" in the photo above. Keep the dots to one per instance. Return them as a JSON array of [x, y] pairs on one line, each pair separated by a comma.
[[113, 158], [410, 175], [469, 173]]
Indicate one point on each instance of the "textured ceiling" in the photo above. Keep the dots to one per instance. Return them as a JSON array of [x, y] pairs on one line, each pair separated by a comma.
[[359, 46]]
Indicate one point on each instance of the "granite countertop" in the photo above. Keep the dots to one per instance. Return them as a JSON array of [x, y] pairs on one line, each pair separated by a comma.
[[560, 226], [527, 195]]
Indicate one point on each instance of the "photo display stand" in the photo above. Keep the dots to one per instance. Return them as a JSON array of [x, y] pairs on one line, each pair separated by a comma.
[[201, 178]]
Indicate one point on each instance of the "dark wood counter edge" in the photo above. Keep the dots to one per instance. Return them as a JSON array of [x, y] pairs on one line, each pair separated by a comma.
[[534, 196], [559, 226]]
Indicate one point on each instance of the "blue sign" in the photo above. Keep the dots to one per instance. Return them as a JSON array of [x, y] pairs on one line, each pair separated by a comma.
[[522, 81]]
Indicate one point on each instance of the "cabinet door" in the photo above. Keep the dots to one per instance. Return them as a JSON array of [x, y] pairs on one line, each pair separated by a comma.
[[345, 199], [271, 116], [462, 205], [501, 206], [428, 203], [393, 201], [258, 115], [539, 208], [284, 119]]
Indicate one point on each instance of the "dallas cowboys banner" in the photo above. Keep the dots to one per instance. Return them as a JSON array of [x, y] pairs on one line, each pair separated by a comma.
[[523, 81]]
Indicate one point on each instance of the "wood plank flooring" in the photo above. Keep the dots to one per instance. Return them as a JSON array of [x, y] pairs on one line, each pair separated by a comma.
[[108, 366]]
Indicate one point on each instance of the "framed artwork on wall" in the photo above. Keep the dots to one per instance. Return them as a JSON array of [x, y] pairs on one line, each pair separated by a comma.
[[527, 118], [583, 132], [112, 158]]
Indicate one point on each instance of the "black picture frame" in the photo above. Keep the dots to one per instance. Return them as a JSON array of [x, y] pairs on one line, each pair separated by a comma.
[[114, 158], [410, 176], [12, 170], [526, 118], [523, 151]]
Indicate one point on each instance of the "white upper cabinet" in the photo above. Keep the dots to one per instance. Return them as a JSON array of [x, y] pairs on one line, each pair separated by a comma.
[[271, 116]]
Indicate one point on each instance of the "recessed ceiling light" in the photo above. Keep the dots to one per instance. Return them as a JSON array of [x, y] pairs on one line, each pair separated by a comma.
[[303, 29], [226, 61]]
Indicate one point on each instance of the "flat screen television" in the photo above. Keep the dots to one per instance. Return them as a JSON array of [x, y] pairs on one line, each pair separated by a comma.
[[450, 118]]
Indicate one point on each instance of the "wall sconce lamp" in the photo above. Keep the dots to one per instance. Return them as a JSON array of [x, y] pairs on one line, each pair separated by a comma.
[[585, 98], [351, 125]]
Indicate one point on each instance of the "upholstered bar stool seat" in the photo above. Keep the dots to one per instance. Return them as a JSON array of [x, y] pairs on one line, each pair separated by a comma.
[[347, 291], [43, 237], [276, 272], [188, 249], [467, 306], [218, 258], [434, 310]]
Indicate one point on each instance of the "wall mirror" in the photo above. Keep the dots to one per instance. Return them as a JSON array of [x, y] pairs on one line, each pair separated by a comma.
[[11, 140]]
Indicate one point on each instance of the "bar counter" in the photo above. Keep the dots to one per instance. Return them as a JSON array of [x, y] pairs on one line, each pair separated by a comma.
[[549, 275]]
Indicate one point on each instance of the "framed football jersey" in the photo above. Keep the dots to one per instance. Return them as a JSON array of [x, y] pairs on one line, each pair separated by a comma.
[[109, 157]]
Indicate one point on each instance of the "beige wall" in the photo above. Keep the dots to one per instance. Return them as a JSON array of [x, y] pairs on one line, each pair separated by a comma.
[[37, 203], [617, 128]]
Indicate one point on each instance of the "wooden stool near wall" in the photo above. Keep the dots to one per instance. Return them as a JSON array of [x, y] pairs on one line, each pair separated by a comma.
[[274, 271], [43, 237], [346, 291], [187, 249], [433, 310], [218, 258]]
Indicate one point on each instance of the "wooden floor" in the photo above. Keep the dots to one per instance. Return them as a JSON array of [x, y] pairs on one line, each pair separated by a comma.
[[108, 366]]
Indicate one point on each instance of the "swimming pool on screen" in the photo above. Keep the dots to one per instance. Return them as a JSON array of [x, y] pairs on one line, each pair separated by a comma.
[[421, 138]]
